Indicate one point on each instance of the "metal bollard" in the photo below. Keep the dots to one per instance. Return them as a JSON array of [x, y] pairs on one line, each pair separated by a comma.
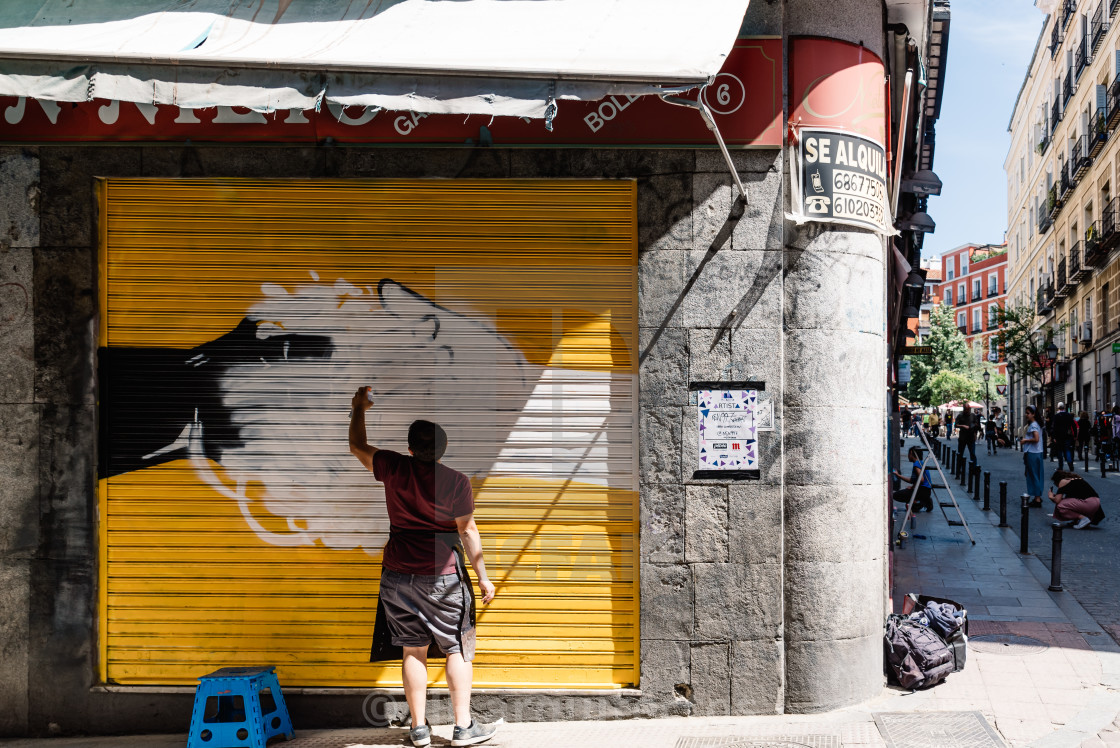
[[963, 469], [1056, 558], [975, 482], [1003, 504], [987, 491], [1085, 450], [1024, 521], [970, 472]]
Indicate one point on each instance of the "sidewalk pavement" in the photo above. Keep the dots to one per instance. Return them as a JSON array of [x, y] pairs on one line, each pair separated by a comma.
[[1090, 563], [1059, 688]]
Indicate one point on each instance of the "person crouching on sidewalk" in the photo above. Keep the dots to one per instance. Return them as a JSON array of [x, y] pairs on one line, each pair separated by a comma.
[[1076, 501], [923, 499]]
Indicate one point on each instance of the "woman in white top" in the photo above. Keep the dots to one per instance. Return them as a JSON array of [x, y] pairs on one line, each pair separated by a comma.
[[1032, 457]]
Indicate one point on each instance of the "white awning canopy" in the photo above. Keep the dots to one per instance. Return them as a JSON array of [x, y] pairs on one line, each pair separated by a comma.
[[496, 57]]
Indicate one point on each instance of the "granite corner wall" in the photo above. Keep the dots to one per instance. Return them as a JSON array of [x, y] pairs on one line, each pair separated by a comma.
[[19, 427], [711, 569], [834, 357]]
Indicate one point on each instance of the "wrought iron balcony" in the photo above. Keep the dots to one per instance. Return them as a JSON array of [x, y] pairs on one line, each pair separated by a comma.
[[1065, 184], [1110, 235], [1081, 57], [1097, 27], [993, 291], [976, 329], [963, 329], [1056, 112], [1078, 270], [1043, 144], [1044, 300], [1079, 158], [1069, 7], [976, 295], [1069, 85], [1057, 36], [1100, 132], [1053, 202], [962, 300], [1044, 222], [993, 324], [1113, 6], [1062, 289]]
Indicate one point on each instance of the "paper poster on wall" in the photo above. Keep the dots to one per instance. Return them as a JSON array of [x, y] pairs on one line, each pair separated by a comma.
[[840, 177], [727, 429]]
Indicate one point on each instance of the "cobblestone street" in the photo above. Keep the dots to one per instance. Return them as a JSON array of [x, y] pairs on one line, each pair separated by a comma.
[[1090, 557]]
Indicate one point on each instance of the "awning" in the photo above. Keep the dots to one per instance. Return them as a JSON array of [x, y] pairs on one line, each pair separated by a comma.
[[496, 57]]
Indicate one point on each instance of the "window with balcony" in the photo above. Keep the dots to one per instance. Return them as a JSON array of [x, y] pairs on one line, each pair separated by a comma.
[[961, 298], [949, 296], [976, 289], [993, 285], [975, 321]]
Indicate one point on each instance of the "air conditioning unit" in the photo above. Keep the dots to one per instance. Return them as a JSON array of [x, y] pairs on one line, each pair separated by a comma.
[[1086, 333]]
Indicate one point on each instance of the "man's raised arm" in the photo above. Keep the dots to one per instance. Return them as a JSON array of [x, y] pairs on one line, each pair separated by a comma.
[[359, 446]]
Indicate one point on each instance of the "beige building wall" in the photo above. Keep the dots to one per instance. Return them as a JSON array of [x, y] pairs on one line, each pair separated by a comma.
[[1043, 241]]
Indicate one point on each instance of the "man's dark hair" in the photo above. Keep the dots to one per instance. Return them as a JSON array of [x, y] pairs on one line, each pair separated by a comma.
[[427, 440]]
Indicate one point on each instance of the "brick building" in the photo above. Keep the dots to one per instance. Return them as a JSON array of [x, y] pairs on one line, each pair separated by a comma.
[[974, 278]]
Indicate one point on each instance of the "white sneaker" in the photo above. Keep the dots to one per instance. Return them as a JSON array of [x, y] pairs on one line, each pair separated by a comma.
[[1081, 524]]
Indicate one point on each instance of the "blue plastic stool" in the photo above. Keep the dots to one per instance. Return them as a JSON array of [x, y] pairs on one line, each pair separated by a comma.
[[229, 713]]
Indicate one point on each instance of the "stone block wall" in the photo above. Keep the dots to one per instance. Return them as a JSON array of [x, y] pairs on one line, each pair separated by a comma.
[[710, 306]]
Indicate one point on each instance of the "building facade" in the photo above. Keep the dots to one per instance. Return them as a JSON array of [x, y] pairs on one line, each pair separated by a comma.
[[931, 297], [197, 291], [1062, 169], [974, 284]]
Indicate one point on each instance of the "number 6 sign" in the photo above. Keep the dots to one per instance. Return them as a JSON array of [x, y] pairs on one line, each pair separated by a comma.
[[726, 94]]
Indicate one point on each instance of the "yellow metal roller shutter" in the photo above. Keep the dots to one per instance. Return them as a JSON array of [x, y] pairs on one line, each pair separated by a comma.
[[237, 319]]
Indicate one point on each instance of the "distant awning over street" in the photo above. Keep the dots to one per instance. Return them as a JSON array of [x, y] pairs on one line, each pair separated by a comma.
[[496, 57]]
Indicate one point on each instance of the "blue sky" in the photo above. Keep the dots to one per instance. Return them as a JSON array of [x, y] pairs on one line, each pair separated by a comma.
[[990, 45]]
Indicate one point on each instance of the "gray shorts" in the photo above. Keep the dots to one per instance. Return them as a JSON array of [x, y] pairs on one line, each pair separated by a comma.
[[424, 608]]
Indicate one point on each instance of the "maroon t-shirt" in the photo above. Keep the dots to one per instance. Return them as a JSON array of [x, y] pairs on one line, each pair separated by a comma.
[[421, 496]]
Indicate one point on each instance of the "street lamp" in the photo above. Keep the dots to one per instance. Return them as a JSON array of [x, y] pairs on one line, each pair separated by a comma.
[[1010, 394], [1052, 356], [987, 406]]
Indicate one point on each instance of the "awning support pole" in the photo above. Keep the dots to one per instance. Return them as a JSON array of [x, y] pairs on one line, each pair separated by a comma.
[[701, 107]]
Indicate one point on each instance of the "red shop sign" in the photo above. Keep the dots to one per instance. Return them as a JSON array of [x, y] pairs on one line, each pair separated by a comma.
[[745, 99]]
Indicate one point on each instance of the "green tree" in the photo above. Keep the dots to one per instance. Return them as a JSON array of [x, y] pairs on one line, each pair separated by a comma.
[[950, 353], [1024, 341], [951, 385]]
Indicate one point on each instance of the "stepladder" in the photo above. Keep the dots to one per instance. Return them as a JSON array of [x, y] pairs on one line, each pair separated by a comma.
[[931, 463]]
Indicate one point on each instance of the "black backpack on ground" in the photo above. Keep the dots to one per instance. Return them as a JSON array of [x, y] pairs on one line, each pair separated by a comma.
[[916, 656]]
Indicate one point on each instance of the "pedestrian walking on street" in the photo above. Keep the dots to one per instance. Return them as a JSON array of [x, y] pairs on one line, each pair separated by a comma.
[[1084, 433], [1063, 432], [425, 595], [1032, 456], [990, 432], [1075, 500], [949, 425], [966, 434]]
